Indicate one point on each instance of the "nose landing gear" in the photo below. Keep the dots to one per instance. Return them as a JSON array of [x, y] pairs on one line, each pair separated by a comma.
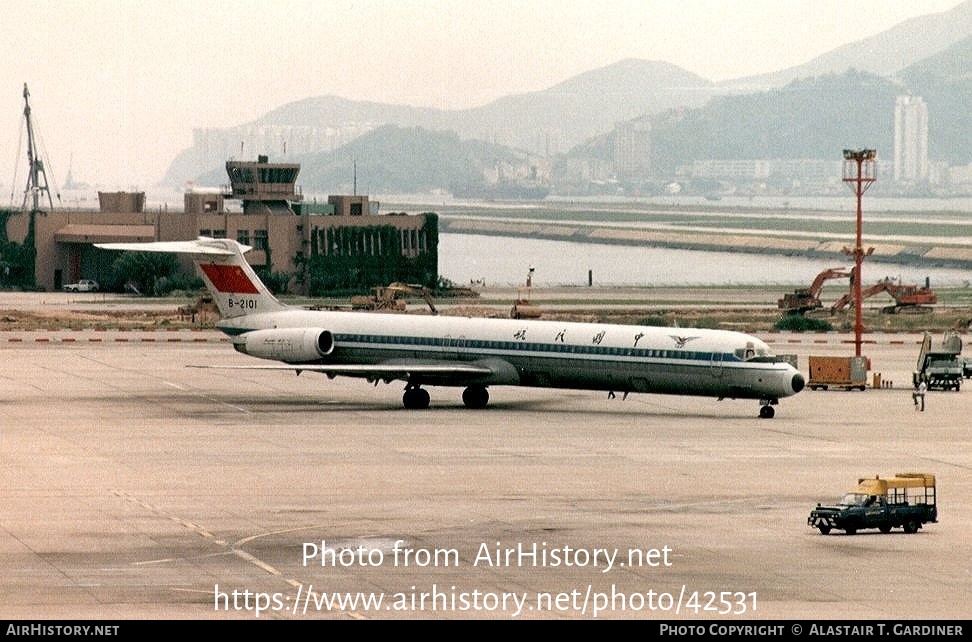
[[766, 410]]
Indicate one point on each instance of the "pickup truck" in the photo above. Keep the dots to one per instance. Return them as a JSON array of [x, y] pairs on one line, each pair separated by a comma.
[[906, 500], [84, 285]]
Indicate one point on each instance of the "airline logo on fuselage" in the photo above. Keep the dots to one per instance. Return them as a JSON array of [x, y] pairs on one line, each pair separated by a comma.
[[681, 341], [229, 279]]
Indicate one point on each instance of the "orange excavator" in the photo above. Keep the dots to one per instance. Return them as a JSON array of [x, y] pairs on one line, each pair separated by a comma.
[[803, 300], [909, 298]]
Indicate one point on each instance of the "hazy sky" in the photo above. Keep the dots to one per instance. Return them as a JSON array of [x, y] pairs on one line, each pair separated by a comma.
[[116, 86]]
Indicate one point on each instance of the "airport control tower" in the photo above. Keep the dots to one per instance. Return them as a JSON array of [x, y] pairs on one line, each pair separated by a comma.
[[264, 187]]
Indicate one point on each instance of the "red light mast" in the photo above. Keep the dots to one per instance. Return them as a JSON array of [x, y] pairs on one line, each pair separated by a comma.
[[859, 172]]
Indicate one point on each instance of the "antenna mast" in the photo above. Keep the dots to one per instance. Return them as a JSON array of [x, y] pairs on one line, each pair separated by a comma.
[[34, 176]]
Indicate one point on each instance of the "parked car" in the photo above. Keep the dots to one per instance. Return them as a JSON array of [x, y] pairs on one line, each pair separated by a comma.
[[84, 285]]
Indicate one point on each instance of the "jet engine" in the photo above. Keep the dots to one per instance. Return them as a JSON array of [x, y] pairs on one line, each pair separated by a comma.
[[291, 345]]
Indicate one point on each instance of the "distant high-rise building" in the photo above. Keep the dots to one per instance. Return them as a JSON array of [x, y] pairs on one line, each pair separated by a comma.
[[632, 150], [910, 139]]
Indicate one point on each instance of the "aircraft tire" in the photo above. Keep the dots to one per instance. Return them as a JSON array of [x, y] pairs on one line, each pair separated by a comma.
[[475, 397], [824, 529], [766, 412], [416, 399]]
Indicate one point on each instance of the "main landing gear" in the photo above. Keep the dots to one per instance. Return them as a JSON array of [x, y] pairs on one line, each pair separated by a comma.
[[417, 398], [475, 397]]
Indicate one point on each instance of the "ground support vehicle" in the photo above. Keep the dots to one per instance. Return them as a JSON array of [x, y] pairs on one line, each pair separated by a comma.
[[907, 500], [940, 365], [838, 372]]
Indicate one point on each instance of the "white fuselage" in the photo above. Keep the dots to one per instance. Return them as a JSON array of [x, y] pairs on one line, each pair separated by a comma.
[[476, 353], [543, 353]]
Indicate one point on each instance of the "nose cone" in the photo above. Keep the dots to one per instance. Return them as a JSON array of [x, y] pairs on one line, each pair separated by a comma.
[[797, 383]]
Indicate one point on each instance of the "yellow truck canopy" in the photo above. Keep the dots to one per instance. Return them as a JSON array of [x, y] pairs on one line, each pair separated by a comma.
[[879, 486]]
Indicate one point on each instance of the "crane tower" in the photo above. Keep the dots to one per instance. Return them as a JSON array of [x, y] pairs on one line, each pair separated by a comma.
[[36, 176]]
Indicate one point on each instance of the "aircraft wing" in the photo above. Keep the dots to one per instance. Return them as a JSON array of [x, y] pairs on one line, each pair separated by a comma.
[[448, 372]]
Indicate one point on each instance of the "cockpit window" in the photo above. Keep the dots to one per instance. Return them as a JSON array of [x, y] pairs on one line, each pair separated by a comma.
[[752, 352]]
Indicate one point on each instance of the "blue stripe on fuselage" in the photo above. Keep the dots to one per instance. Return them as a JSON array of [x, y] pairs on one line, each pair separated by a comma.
[[496, 347]]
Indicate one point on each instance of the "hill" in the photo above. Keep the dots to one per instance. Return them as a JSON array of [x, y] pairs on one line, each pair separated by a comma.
[[844, 98]]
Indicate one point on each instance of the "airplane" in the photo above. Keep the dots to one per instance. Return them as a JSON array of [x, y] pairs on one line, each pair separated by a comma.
[[477, 353]]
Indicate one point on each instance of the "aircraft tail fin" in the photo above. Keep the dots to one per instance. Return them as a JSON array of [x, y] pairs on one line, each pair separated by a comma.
[[234, 286]]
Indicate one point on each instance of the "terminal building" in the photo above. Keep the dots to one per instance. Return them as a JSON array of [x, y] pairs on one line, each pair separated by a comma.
[[288, 235]]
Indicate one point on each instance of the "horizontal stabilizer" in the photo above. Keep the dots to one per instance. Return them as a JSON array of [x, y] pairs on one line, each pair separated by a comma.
[[234, 286], [199, 246]]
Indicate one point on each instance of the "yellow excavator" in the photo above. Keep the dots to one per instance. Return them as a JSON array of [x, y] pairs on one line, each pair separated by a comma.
[[391, 298]]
